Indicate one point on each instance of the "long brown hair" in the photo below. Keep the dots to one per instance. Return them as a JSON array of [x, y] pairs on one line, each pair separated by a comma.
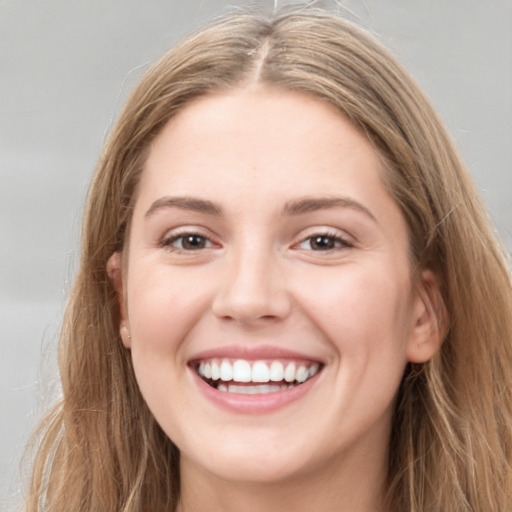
[[451, 445]]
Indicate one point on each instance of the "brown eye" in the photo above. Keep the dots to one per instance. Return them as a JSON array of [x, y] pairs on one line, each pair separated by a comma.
[[187, 242], [193, 242], [324, 242]]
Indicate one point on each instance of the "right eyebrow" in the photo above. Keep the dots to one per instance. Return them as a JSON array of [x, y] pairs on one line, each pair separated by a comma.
[[185, 203], [311, 204]]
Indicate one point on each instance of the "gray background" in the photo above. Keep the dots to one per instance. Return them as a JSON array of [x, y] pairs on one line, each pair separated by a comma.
[[66, 67]]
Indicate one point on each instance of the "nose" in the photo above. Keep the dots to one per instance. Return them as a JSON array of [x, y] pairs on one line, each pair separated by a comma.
[[252, 289]]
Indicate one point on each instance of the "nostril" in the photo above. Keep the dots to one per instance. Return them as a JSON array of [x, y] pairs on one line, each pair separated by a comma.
[[245, 309], [250, 289]]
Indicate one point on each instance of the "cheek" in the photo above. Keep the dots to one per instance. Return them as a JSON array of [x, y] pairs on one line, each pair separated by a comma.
[[361, 310], [163, 306], [161, 311], [365, 316]]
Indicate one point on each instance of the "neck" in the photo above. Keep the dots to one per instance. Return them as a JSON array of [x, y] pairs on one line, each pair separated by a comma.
[[346, 486]]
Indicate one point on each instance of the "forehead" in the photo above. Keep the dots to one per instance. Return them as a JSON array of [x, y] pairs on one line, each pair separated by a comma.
[[262, 137]]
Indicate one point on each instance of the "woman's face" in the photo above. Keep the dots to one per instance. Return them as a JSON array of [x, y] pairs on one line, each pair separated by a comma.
[[268, 301]]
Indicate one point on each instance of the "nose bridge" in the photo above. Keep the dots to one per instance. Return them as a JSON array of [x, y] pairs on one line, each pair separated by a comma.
[[253, 285]]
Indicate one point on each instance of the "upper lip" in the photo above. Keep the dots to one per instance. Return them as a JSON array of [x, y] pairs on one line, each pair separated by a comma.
[[252, 353]]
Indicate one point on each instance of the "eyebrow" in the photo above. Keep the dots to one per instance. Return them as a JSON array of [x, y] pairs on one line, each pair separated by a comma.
[[186, 203], [291, 208], [312, 204]]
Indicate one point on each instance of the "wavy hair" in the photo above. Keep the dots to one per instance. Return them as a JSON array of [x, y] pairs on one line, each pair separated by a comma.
[[451, 445]]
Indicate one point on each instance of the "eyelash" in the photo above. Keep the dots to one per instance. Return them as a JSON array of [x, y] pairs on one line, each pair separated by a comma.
[[333, 241], [168, 243], [338, 241]]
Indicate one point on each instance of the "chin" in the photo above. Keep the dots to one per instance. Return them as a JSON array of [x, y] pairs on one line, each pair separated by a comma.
[[255, 460], [250, 470]]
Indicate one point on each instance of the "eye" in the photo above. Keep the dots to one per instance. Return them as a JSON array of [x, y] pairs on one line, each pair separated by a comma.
[[187, 242], [324, 242]]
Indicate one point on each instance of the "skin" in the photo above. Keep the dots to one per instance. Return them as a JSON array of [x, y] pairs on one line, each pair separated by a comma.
[[257, 278]]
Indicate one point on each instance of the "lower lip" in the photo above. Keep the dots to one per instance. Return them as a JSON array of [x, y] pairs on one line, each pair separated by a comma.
[[260, 403]]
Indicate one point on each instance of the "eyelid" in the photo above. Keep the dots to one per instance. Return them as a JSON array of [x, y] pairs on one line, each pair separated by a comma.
[[345, 240], [180, 232]]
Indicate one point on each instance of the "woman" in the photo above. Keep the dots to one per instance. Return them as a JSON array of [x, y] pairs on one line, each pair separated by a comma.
[[289, 295]]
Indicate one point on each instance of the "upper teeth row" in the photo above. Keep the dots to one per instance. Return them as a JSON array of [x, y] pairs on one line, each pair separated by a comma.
[[257, 371]]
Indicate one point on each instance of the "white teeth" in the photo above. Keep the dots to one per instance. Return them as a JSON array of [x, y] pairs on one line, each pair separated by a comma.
[[242, 371], [276, 371], [244, 390], [270, 388], [253, 390], [226, 371], [313, 370], [215, 371], [289, 373], [260, 372], [301, 374]]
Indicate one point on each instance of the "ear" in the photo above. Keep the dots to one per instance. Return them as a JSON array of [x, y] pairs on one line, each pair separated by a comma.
[[429, 319], [115, 274]]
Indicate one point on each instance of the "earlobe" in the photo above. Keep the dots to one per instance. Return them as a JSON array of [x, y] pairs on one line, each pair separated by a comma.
[[114, 270], [429, 320], [126, 337]]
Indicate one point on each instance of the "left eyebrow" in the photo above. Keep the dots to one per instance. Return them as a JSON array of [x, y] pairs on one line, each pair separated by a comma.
[[185, 203], [311, 204]]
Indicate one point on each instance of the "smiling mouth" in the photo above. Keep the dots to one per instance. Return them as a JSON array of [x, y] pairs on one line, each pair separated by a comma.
[[254, 377]]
